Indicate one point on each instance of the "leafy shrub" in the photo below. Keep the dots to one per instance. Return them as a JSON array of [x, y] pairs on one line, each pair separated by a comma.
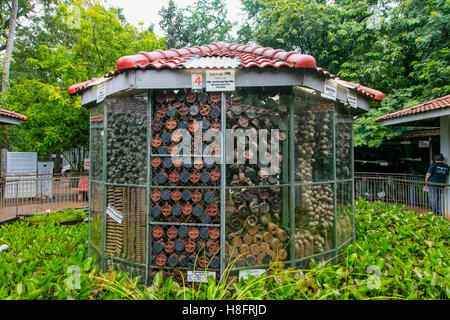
[[397, 255], [58, 216]]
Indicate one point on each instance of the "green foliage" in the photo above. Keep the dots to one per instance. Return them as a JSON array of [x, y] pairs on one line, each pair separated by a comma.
[[24, 8], [36, 267], [58, 216], [173, 23], [398, 254], [69, 43], [203, 22], [398, 47]]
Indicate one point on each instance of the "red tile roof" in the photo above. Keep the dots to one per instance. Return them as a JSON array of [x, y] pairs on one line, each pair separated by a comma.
[[249, 57], [439, 103], [12, 114]]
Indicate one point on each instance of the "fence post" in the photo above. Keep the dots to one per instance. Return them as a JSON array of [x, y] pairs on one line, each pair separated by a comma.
[[17, 198]]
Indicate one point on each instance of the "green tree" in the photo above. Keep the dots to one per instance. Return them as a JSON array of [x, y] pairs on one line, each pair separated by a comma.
[[25, 7], [173, 23], [398, 47], [203, 22], [72, 43]]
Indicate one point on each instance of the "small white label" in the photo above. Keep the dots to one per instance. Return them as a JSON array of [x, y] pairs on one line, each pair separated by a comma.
[[114, 214], [199, 276], [424, 144], [352, 98], [331, 89], [101, 92], [197, 81], [243, 274], [220, 80]]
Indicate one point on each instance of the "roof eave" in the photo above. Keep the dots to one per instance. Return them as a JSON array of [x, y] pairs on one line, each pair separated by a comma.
[[421, 116]]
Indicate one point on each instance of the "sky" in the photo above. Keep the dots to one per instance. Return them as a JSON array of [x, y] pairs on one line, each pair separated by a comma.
[[146, 11]]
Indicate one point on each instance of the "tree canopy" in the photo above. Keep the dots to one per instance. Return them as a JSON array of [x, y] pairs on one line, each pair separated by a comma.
[[398, 47], [65, 44], [203, 22]]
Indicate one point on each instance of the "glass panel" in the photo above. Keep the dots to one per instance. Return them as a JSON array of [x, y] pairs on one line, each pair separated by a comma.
[[257, 145], [313, 138], [184, 124], [185, 246], [96, 151], [127, 140], [193, 205], [126, 223], [256, 227], [344, 152], [95, 226], [186, 178], [314, 219], [96, 175], [344, 211]]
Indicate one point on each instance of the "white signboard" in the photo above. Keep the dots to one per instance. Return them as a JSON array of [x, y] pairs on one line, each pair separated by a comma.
[[424, 144], [199, 276], [114, 214], [352, 98], [101, 92], [21, 166], [243, 274], [220, 80], [331, 89], [21, 162]]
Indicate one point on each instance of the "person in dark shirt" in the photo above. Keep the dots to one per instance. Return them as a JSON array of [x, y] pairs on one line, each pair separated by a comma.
[[437, 173]]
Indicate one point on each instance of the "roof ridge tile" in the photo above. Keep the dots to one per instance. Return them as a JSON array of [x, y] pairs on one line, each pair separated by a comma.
[[249, 56]]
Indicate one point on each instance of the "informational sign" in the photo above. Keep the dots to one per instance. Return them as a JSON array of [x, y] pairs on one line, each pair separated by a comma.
[[352, 98], [114, 214], [424, 144], [199, 276], [21, 162], [243, 274], [330, 89], [101, 92], [220, 80], [197, 82], [45, 174], [21, 166]]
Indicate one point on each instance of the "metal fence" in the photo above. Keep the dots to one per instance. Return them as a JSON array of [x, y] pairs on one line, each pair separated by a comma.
[[28, 196], [407, 190], [23, 196]]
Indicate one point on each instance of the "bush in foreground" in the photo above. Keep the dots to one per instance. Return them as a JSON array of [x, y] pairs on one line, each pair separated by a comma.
[[397, 255]]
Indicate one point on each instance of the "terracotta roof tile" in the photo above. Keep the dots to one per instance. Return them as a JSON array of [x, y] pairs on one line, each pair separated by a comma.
[[249, 57], [439, 103], [12, 114]]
